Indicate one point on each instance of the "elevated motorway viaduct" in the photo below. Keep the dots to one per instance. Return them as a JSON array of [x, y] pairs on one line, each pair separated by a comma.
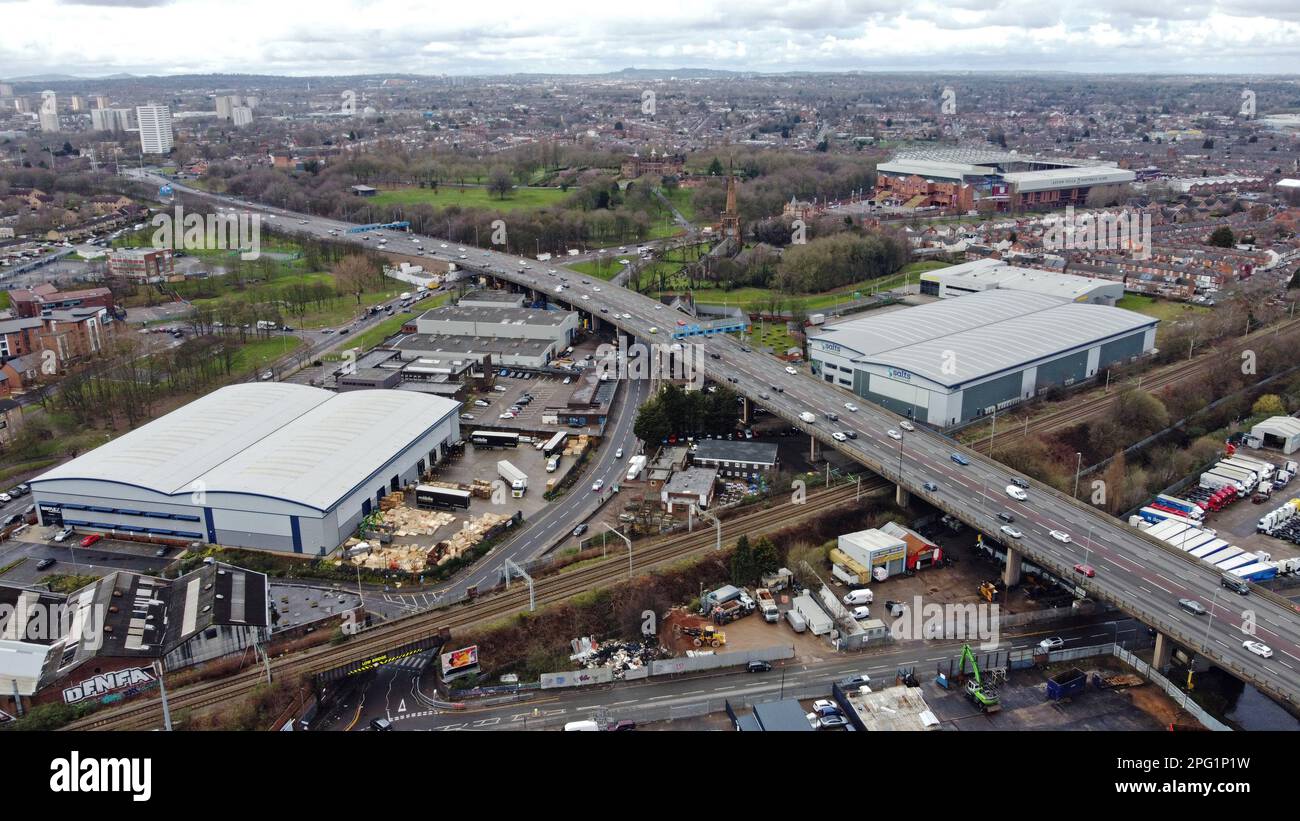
[[1140, 575]]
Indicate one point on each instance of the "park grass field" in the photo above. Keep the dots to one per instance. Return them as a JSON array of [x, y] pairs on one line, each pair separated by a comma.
[[470, 197]]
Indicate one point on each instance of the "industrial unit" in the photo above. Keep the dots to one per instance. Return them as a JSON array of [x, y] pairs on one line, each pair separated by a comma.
[[264, 465], [952, 361], [990, 274]]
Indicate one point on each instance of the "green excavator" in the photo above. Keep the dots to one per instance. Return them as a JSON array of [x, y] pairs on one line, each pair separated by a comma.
[[981, 694]]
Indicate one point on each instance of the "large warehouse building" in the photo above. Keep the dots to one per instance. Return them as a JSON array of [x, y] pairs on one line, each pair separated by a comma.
[[990, 274], [274, 466], [955, 360]]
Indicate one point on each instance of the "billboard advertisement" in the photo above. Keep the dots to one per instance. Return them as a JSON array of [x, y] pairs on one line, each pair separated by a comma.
[[459, 663]]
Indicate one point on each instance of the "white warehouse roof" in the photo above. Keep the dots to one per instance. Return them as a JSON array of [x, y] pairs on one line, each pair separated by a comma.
[[280, 440], [979, 334]]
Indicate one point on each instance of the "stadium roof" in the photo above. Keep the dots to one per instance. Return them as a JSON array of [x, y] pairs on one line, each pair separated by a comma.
[[979, 334], [284, 441]]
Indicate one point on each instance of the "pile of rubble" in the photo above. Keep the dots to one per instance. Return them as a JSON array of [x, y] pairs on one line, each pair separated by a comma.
[[470, 534], [622, 656]]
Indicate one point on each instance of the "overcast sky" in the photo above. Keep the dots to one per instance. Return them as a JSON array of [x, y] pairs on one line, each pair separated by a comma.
[[322, 37]]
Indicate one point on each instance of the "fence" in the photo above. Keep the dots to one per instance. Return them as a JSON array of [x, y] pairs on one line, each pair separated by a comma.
[[1181, 698]]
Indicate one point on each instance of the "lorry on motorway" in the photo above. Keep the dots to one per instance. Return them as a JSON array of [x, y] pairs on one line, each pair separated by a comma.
[[516, 478], [807, 417], [767, 605], [635, 466], [1066, 683]]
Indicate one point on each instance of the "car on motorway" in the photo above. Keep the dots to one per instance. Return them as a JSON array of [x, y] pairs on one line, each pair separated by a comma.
[[906, 425], [1258, 648], [758, 666], [580, 529], [839, 437], [1060, 536], [1016, 493], [91, 539], [790, 370], [1193, 606], [597, 485], [893, 434], [959, 459], [1085, 569], [1011, 531], [930, 487], [1053, 643], [45, 564]]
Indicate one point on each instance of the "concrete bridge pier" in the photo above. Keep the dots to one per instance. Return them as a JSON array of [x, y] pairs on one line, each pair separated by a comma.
[[902, 497], [1011, 573], [1163, 652]]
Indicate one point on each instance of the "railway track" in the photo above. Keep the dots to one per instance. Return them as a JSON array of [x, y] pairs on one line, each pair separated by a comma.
[[148, 714], [1081, 409]]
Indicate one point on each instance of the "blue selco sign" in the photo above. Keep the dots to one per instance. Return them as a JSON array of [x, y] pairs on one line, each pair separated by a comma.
[[899, 373]]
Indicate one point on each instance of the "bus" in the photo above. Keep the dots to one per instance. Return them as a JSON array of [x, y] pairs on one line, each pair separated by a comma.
[[555, 445], [494, 439], [431, 496]]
